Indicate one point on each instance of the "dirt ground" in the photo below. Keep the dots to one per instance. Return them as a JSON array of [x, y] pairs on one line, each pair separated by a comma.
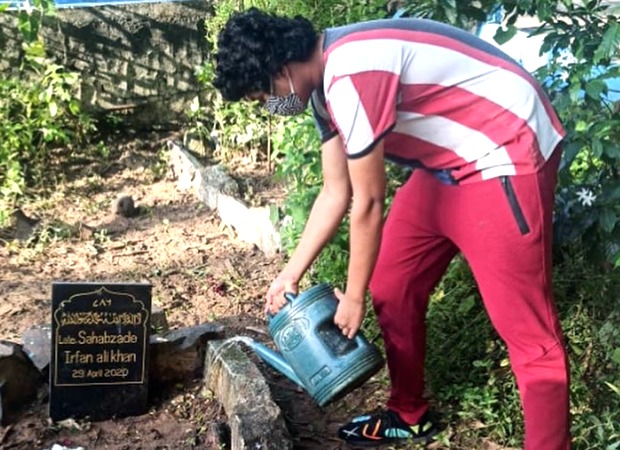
[[199, 271]]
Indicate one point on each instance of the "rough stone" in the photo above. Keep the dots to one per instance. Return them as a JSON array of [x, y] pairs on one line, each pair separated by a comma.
[[255, 420], [37, 345], [19, 381], [217, 177], [217, 435], [159, 322], [25, 227], [124, 205], [179, 354], [199, 144]]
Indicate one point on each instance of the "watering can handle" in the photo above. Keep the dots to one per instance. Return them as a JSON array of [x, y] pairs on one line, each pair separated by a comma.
[[359, 339], [289, 296]]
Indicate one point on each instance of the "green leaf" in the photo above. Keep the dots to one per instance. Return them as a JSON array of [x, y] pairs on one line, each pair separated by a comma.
[[581, 126], [608, 220], [611, 194], [615, 357], [609, 44], [612, 150], [502, 36], [570, 152], [597, 147], [616, 389], [24, 25], [578, 350], [595, 88], [544, 9], [613, 446], [467, 304], [449, 9], [574, 91], [53, 109], [451, 15], [74, 107]]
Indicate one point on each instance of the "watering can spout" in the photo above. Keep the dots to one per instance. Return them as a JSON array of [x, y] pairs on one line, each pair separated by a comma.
[[276, 361]]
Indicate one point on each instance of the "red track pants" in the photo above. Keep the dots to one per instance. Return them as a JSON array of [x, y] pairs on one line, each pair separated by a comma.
[[508, 247]]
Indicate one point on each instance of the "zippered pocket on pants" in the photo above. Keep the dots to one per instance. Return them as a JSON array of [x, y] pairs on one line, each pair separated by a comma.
[[513, 201]]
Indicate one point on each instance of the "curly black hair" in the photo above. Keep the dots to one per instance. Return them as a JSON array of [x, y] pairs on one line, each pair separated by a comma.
[[256, 45]]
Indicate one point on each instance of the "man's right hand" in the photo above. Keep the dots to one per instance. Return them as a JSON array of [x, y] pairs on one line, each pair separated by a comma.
[[275, 295]]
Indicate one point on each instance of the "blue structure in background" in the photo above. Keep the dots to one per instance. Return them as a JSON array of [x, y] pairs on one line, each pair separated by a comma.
[[82, 3], [73, 3]]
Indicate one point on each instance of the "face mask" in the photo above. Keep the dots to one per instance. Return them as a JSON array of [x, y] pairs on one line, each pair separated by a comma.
[[287, 105]]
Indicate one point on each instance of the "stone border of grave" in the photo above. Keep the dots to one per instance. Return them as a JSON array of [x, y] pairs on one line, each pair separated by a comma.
[[254, 418], [216, 189]]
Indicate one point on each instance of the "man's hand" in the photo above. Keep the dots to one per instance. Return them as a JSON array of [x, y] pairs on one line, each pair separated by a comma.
[[349, 314], [275, 295]]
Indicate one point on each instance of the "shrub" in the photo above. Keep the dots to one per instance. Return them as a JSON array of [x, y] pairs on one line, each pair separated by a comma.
[[38, 112]]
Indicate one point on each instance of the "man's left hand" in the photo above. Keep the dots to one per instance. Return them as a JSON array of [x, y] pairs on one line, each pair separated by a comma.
[[349, 314]]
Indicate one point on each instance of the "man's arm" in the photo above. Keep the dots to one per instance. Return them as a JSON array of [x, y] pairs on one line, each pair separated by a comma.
[[326, 215], [367, 176]]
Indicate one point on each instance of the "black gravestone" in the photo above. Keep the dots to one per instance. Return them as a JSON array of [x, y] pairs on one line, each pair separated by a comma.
[[100, 350]]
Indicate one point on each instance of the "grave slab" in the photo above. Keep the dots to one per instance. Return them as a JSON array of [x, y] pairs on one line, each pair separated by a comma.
[[100, 350]]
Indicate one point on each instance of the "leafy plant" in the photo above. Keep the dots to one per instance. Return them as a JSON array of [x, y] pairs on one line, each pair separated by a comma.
[[38, 112], [588, 207], [586, 300], [463, 14]]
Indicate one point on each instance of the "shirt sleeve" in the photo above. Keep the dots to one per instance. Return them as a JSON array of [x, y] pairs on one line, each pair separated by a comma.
[[322, 119], [363, 108]]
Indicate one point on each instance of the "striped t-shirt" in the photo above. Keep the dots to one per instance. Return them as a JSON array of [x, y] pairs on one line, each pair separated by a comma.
[[442, 98]]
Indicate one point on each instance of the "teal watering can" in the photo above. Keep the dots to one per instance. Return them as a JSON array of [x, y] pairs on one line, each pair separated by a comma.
[[314, 354]]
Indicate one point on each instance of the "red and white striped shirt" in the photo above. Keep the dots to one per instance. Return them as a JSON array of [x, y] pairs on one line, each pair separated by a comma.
[[442, 98]]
